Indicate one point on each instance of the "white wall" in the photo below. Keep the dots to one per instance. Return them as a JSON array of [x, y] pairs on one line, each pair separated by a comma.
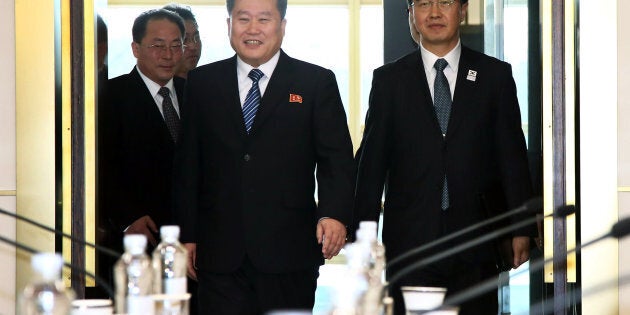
[[623, 143], [598, 151], [7, 155]]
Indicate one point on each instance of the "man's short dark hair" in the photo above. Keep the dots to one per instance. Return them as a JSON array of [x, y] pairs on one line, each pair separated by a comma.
[[101, 30], [280, 4], [139, 29], [184, 11]]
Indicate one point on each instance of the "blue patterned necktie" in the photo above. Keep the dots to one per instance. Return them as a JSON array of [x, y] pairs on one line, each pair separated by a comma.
[[252, 100], [442, 104], [170, 115]]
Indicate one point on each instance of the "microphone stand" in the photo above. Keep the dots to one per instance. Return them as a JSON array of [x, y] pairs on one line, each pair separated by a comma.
[[74, 239], [577, 296], [560, 212], [98, 279], [534, 205], [619, 230]]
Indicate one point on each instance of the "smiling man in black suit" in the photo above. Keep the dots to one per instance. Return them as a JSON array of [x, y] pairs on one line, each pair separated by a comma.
[[256, 130], [443, 135]]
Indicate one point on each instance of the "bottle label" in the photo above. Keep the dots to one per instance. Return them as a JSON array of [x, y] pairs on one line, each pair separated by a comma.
[[175, 285], [140, 305]]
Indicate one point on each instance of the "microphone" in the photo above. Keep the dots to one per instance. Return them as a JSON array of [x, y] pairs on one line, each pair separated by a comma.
[[618, 230], [98, 279], [560, 212], [546, 308], [74, 239], [533, 206]]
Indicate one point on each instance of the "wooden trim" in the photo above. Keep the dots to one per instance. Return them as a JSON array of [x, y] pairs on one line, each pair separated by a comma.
[[559, 158], [8, 193], [78, 143]]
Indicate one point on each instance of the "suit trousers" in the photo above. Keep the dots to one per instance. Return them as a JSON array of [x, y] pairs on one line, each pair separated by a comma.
[[248, 291], [456, 274]]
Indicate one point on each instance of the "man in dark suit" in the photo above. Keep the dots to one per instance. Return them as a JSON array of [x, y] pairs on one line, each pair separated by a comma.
[[192, 40], [245, 186], [444, 163], [138, 129]]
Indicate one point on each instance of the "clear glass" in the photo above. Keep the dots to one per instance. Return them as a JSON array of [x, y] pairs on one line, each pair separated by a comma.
[[169, 268], [133, 280], [45, 298], [506, 35]]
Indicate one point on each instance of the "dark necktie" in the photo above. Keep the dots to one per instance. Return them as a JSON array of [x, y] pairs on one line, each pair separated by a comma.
[[170, 115], [252, 100], [442, 104]]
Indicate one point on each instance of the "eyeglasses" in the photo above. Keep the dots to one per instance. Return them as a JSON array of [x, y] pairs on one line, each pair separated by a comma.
[[175, 48], [194, 39], [424, 5]]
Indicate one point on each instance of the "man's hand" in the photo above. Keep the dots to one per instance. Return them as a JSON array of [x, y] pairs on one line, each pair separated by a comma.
[[332, 235], [192, 260], [145, 226], [520, 246]]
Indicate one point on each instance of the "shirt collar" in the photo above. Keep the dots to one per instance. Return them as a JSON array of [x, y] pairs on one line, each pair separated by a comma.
[[243, 69], [154, 87], [452, 57]]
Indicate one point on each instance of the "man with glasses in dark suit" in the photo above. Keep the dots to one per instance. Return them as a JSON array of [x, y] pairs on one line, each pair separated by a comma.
[[192, 40], [443, 134], [138, 129]]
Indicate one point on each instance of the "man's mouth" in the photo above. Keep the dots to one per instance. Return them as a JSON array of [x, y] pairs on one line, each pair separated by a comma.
[[253, 42]]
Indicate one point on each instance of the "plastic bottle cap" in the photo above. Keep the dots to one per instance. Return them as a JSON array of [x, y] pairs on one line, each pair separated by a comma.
[[48, 265], [135, 243], [368, 225], [366, 231], [170, 232]]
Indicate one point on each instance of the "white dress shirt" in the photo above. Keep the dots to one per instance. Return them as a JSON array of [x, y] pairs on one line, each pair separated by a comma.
[[452, 57], [245, 83], [154, 88]]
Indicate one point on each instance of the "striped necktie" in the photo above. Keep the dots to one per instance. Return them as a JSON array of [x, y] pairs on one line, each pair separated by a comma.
[[252, 101]]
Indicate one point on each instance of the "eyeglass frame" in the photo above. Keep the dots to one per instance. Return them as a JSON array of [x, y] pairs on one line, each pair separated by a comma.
[[441, 4], [162, 48], [196, 40]]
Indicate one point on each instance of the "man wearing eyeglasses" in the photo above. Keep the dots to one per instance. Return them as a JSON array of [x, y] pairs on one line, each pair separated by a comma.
[[192, 40], [443, 131], [138, 130]]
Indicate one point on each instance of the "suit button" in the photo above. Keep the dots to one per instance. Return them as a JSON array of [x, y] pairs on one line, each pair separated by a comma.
[[246, 157]]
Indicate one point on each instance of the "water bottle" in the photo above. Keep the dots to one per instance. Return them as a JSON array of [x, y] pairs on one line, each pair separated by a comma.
[[47, 295], [349, 291], [169, 263], [133, 278], [372, 299], [367, 234]]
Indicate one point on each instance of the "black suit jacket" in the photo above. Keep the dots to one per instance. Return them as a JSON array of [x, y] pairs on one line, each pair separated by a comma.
[[483, 154], [135, 156], [239, 194]]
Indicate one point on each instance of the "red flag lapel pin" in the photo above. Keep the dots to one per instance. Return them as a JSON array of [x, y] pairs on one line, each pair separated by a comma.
[[295, 98]]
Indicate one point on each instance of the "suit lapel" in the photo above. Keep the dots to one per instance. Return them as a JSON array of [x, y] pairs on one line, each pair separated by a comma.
[[179, 84], [464, 88], [228, 81], [276, 92], [147, 102], [421, 94]]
